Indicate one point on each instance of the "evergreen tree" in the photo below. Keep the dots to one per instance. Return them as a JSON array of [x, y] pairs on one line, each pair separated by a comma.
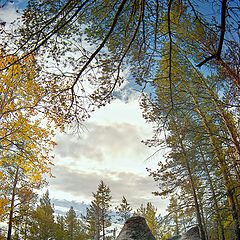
[[103, 197], [43, 220], [71, 224], [150, 215], [92, 222], [60, 233], [69, 227], [98, 213], [124, 210]]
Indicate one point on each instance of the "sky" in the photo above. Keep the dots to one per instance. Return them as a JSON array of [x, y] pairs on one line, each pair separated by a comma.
[[109, 149]]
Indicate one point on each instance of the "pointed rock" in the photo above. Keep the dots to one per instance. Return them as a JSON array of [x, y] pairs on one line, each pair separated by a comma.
[[135, 228], [191, 234]]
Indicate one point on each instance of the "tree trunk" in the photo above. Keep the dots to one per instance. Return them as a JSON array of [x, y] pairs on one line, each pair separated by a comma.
[[219, 217], [9, 234], [103, 225], [177, 224], [203, 219], [198, 213]]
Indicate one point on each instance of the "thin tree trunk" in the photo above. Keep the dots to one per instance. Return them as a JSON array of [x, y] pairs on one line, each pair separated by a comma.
[[177, 224], [203, 218], [103, 224], [219, 217], [10, 222], [198, 213]]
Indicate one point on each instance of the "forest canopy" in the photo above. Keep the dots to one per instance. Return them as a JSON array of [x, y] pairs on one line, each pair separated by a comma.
[[64, 59], [84, 44]]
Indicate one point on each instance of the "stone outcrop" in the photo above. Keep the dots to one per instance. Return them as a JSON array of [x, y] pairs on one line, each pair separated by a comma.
[[178, 237], [191, 234], [135, 228]]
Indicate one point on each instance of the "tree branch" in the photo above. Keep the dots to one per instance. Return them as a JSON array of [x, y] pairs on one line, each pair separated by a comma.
[[217, 55]]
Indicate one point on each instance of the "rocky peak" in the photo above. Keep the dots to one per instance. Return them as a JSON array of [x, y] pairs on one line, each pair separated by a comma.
[[135, 228], [191, 234]]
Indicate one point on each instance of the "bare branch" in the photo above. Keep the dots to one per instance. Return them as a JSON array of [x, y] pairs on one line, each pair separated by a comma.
[[217, 55], [54, 31], [113, 25]]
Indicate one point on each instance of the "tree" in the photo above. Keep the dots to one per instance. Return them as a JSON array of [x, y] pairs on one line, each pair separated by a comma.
[[98, 214], [92, 222], [150, 214], [102, 199], [124, 210], [71, 223], [73, 226], [25, 144], [43, 220], [195, 119], [187, 54], [122, 32], [60, 232]]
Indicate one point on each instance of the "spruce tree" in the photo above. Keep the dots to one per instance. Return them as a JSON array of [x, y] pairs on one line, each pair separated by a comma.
[[124, 210], [60, 232], [43, 220], [92, 222], [98, 213], [71, 223]]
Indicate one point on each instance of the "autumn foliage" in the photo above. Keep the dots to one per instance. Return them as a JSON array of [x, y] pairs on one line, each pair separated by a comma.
[[26, 140]]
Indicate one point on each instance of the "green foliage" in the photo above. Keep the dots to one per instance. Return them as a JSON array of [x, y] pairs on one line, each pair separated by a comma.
[[43, 220], [60, 232], [159, 42], [124, 210], [73, 226], [150, 214], [92, 42], [194, 111], [98, 218]]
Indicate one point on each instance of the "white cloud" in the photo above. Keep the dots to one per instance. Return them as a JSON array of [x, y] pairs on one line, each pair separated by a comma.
[[109, 150], [136, 188], [9, 13], [102, 142]]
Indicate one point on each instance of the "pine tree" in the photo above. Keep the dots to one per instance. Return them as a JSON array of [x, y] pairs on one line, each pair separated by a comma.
[[71, 223], [60, 233], [98, 213], [93, 222], [124, 210], [103, 197], [43, 220], [150, 215]]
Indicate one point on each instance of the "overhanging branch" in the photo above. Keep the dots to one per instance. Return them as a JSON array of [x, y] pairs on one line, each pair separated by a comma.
[[217, 55]]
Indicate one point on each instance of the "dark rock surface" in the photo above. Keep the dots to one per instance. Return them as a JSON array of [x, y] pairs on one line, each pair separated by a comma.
[[178, 237], [191, 234], [135, 228]]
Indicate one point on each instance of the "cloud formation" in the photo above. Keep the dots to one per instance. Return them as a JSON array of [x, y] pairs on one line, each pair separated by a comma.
[[136, 188], [109, 150], [101, 142]]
